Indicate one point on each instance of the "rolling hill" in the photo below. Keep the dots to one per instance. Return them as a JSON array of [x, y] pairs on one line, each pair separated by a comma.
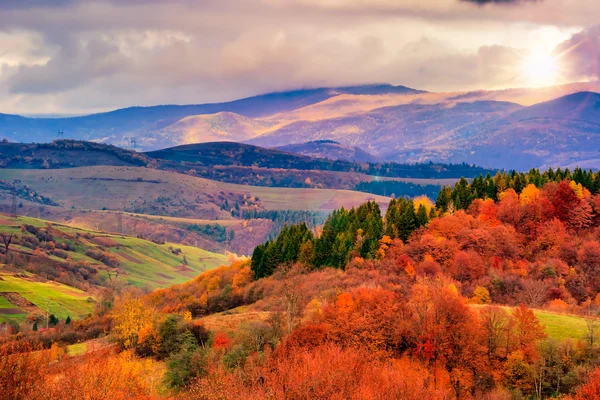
[[331, 150], [62, 267], [151, 191]]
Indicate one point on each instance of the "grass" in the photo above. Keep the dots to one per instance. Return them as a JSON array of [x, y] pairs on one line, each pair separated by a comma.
[[142, 263], [557, 326], [61, 300], [77, 349], [562, 326], [231, 320], [95, 188], [151, 265]]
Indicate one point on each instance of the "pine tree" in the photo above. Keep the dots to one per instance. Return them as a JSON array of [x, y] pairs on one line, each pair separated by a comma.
[[68, 320], [408, 222], [53, 321], [444, 198], [422, 217]]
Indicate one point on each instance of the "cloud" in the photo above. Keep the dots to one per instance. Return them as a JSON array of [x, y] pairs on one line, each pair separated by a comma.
[[92, 55], [580, 55]]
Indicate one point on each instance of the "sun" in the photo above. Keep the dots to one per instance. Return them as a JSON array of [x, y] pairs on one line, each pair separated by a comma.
[[541, 69]]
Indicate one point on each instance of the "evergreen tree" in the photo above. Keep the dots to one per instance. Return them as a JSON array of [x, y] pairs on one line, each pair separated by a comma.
[[52, 321], [422, 217], [68, 320], [408, 222]]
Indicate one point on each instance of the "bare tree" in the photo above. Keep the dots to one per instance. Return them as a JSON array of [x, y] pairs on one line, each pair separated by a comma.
[[6, 241], [533, 293], [591, 329]]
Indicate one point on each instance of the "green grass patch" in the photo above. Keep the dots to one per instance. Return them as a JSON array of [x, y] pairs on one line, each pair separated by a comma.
[[560, 326], [5, 303], [61, 300]]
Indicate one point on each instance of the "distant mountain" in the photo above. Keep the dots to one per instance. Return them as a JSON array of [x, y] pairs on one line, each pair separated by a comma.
[[332, 150], [512, 128], [149, 123], [582, 106]]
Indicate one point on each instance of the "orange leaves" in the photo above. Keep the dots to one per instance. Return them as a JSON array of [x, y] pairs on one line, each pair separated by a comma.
[[528, 330], [591, 390], [221, 341], [344, 302], [365, 318]]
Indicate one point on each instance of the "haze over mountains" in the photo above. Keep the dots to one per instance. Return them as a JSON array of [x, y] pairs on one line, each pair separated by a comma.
[[516, 128]]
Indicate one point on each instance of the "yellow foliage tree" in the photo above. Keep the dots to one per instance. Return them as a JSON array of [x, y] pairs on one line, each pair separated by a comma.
[[480, 295], [529, 194], [130, 315], [425, 201]]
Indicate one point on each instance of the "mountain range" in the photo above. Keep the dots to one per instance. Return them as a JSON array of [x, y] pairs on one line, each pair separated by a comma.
[[514, 128]]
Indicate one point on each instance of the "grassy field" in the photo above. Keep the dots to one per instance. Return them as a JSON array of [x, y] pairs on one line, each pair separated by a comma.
[[141, 263], [562, 326], [168, 193], [60, 300], [557, 326]]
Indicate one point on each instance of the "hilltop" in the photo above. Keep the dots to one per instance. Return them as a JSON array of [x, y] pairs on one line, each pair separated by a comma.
[[332, 150]]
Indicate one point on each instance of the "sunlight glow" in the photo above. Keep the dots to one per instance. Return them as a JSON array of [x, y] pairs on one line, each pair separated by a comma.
[[541, 69]]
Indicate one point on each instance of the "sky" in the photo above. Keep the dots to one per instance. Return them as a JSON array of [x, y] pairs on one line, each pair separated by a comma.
[[75, 56]]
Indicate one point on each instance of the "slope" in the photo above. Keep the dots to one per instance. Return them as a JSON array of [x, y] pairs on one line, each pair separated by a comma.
[[63, 266], [150, 191]]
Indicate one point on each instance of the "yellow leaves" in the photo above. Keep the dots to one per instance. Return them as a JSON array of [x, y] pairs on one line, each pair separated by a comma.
[[56, 352], [452, 289], [187, 315], [529, 194], [384, 244], [507, 193], [425, 201], [480, 296], [579, 190], [214, 284], [313, 311], [130, 315], [204, 299]]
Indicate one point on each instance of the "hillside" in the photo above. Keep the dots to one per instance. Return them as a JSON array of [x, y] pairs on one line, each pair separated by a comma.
[[331, 150], [63, 267], [150, 191]]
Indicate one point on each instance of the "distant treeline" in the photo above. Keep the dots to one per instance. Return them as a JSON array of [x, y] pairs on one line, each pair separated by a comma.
[[235, 154], [212, 231], [462, 194], [398, 189], [281, 218]]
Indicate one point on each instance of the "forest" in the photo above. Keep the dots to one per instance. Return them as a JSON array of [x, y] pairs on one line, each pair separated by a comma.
[[421, 300]]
